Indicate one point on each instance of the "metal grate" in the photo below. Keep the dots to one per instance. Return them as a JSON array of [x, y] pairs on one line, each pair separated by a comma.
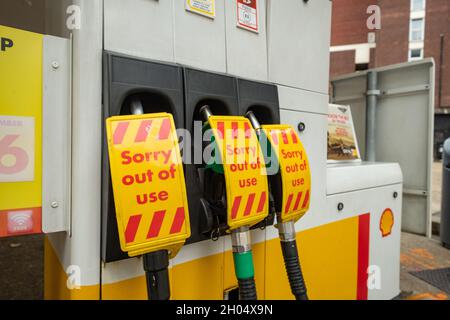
[[439, 278]]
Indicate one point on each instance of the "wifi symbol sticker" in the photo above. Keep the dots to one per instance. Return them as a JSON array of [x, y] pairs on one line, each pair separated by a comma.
[[20, 221]]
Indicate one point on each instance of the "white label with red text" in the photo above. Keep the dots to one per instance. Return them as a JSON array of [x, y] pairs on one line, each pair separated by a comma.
[[247, 14]]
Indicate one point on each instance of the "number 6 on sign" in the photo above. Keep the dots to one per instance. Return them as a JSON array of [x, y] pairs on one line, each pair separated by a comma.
[[16, 149]]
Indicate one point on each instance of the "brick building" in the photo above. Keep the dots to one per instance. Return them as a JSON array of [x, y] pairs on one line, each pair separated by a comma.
[[410, 30]]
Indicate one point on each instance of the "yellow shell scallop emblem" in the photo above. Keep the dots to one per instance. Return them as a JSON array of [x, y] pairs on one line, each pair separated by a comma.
[[386, 222]]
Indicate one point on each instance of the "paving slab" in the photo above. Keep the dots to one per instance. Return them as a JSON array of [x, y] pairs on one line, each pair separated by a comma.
[[420, 253]]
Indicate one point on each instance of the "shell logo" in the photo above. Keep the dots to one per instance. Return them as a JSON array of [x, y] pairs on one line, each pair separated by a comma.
[[386, 222]]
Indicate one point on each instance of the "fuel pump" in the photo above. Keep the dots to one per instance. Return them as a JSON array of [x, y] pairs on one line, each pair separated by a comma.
[[290, 187], [240, 195], [149, 191]]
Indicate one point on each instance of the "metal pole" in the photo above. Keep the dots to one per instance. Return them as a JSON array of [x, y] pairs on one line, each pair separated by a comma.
[[372, 97]]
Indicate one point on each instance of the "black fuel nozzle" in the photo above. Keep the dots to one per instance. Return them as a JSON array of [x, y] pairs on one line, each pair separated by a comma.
[[156, 263], [286, 231]]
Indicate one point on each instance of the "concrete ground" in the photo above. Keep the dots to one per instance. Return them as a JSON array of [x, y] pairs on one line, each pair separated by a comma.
[[22, 268], [420, 253]]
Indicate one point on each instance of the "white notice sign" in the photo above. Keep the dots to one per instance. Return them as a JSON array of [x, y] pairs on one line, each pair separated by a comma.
[[204, 7]]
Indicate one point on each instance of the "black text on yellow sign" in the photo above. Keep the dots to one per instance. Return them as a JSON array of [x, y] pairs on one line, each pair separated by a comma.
[[148, 183], [6, 43]]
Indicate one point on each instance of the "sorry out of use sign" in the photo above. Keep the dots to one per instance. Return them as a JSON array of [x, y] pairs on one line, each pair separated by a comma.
[[148, 182]]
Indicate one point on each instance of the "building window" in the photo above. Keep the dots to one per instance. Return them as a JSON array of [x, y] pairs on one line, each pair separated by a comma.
[[417, 5], [415, 54], [361, 66], [416, 30]]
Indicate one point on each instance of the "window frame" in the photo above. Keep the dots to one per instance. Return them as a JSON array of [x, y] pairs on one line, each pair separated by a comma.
[[411, 58], [424, 5], [422, 31]]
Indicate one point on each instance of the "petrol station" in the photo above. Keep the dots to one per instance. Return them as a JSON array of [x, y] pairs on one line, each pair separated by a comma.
[[177, 149]]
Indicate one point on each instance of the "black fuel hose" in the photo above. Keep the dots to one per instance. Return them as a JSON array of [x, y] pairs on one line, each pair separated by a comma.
[[294, 270], [156, 266]]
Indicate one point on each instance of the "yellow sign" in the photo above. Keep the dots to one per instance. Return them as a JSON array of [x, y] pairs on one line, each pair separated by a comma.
[[20, 131], [203, 7], [294, 168], [148, 183], [244, 169]]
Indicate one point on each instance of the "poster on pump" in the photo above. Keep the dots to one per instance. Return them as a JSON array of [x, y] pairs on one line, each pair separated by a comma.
[[20, 132]]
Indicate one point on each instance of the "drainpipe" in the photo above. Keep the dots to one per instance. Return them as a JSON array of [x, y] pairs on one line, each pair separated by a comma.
[[441, 70], [372, 98]]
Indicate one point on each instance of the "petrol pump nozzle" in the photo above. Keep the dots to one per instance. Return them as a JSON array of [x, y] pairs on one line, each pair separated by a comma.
[[206, 112], [287, 234], [253, 120], [242, 249], [155, 263], [136, 107]]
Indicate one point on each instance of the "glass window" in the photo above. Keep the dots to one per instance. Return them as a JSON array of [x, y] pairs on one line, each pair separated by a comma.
[[416, 30], [415, 54], [417, 5]]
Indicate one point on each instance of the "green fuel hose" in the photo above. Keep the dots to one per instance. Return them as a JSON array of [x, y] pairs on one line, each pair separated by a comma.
[[243, 263]]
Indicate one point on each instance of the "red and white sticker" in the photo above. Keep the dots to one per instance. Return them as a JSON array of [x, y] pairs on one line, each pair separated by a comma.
[[20, 221], [247, 15], [17, 138]]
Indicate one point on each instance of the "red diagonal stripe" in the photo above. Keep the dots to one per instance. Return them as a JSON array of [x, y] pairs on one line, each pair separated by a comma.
[[221, 129], [285, 137], [262, 202], [363, 256], [235, 208], [178, 221], [274, 135], [132, 227], [156, 224], [294, 137], [235, 129], [120, 132], [297, 201], [248, 207], [248, 131], [165, 129], [288, 203], [143, 131], [305, 202]]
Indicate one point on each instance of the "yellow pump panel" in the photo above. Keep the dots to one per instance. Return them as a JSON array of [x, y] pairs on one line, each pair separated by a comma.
[[244, 169], [294, 168], [20, 132], [148, 183]]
